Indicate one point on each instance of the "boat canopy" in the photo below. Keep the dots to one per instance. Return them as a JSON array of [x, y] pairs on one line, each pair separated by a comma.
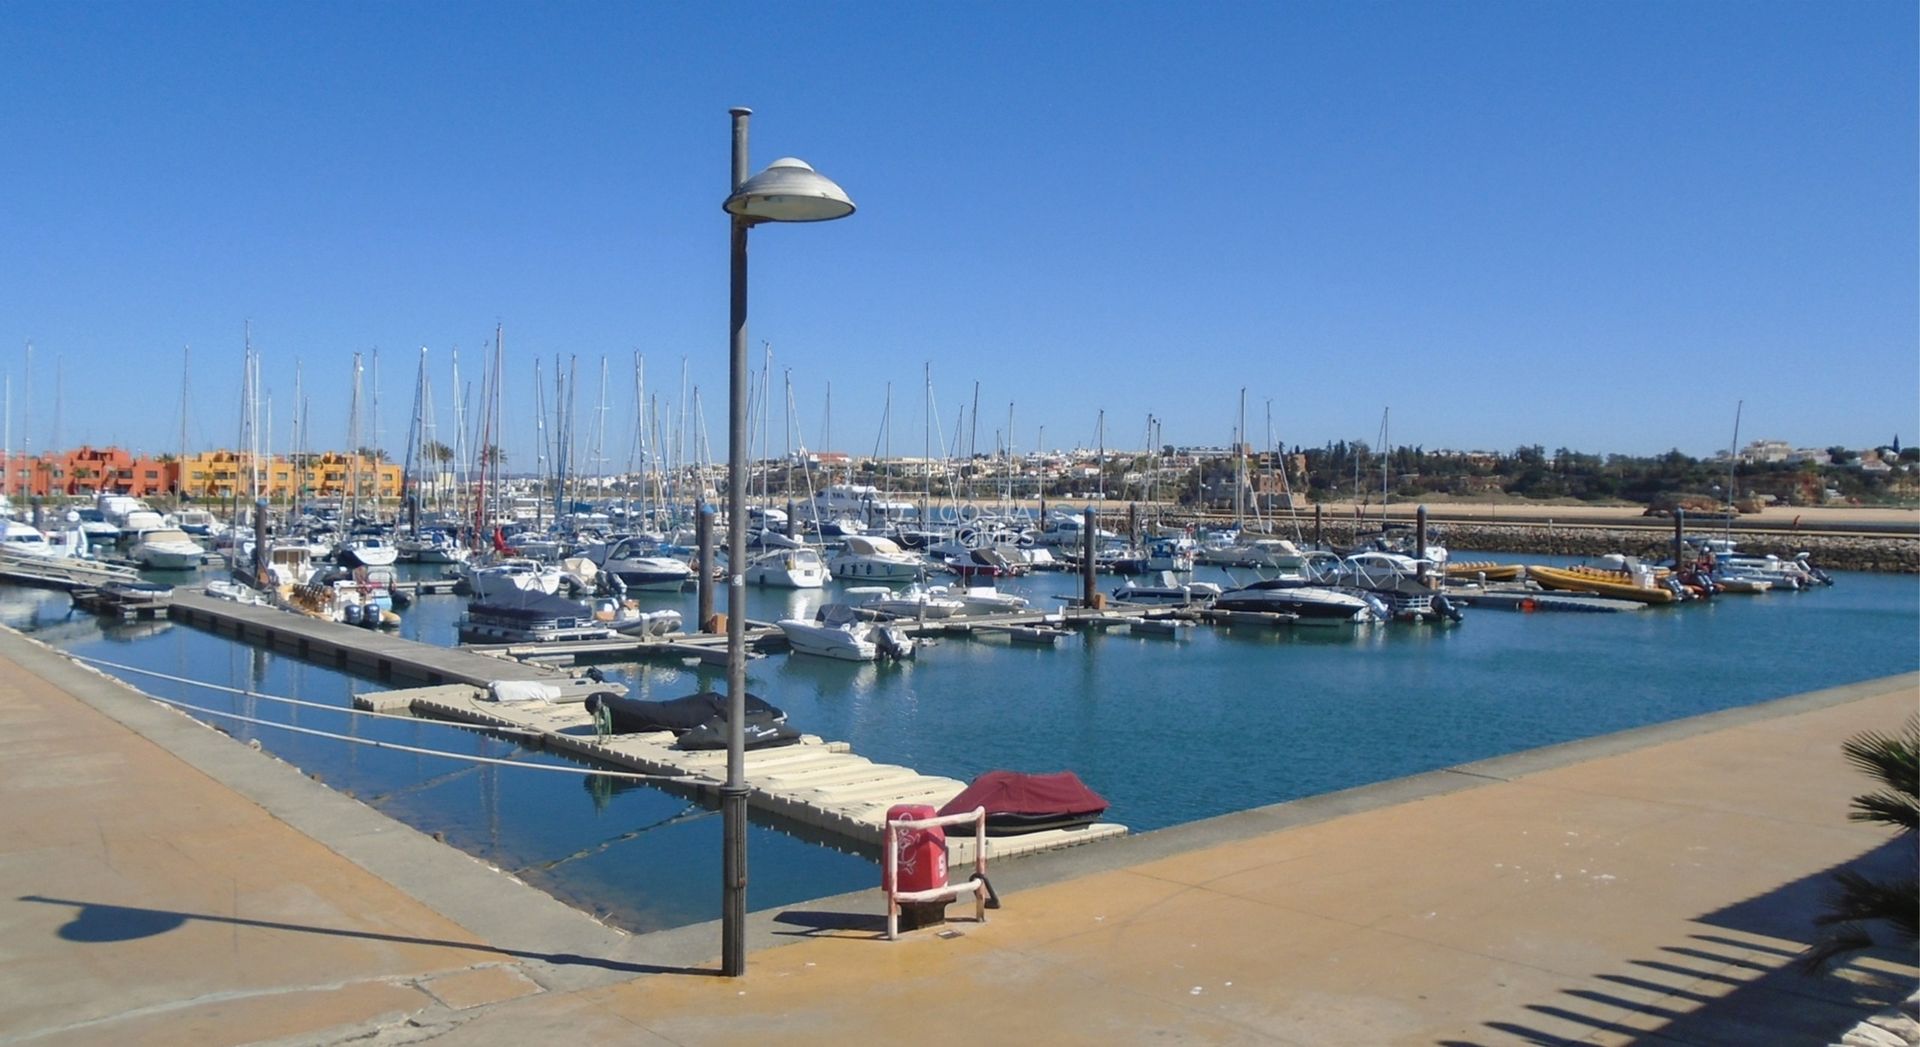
[[631, 715], [1018, 802], [529, 605]]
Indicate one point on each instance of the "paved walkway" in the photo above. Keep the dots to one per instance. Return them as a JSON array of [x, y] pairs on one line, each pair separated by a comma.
[[160, 883]]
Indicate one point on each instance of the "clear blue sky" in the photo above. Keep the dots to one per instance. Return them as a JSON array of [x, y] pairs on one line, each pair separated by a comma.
[[1597, 225]]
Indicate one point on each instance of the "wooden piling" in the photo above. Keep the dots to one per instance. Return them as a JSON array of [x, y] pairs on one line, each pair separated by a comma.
[[703, 530], [1087, 532]]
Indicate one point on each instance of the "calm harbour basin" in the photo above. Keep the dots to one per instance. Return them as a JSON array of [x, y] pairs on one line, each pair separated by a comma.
[[1168, 730]]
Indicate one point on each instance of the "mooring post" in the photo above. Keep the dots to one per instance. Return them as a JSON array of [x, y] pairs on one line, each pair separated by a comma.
[[1133, 522], [1679, 536], [262, 552], [792, 517], [1319, 526], [1087, 531], [703, 532], [1420, 541]]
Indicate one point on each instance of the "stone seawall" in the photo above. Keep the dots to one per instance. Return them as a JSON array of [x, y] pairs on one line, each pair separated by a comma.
[[1900, 555]]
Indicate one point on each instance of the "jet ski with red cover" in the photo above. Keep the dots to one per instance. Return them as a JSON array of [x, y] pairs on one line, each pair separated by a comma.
[[1024, 803]]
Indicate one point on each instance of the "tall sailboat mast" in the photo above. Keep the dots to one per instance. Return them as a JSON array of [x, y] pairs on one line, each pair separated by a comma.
[[186, 359]]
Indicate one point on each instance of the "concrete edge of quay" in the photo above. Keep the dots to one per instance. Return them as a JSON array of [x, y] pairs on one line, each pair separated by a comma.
[[1136, 848], [570, 949]]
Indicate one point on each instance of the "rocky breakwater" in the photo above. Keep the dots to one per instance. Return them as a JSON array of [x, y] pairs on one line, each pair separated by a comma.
[[1899, 554]]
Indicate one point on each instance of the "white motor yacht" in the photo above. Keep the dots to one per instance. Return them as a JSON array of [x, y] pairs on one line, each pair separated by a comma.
[[24, 539], [430, 547], [168, 549], [513, 574], [867, 558], [634, 562], [366, 550], [800, 568], [199, 522]]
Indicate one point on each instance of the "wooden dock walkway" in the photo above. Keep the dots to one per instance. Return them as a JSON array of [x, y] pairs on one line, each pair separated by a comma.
[[377, 654], [814, 783], [62, 572]]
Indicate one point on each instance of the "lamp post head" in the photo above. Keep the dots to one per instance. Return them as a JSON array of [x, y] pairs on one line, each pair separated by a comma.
[[789, 191]]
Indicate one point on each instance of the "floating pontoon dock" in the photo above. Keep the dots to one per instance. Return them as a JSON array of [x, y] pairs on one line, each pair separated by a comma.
[[380, 655], [814, 783]]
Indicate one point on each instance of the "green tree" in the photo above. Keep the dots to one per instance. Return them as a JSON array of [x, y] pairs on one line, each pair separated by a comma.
[[1893, 760]]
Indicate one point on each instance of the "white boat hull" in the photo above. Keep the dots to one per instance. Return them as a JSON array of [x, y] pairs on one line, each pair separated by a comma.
[[827, 641]]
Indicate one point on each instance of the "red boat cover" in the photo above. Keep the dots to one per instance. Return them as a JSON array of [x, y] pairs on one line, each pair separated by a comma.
[[1010, 792]]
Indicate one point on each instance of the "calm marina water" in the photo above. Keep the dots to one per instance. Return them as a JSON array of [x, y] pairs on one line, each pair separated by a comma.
[[1169, 730]]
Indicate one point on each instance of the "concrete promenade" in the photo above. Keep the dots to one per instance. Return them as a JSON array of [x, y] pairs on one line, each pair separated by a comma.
[[162, 884]]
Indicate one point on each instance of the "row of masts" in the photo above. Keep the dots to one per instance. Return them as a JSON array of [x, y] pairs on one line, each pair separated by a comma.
[[664, 446]]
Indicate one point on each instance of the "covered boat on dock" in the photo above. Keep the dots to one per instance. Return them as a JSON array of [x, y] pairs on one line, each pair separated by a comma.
[[1019, 803], [523, 616], [699, 721]]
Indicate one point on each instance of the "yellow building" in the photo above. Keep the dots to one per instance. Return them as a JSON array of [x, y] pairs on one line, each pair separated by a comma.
[[229, 474]]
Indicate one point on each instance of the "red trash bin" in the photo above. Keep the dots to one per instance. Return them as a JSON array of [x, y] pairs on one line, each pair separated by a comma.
[[922, 853]]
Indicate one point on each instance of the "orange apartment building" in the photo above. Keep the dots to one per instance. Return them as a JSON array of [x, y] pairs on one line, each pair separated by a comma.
[[210, 475]]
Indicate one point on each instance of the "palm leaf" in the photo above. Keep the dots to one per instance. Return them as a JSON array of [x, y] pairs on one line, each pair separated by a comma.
[[1887, 808], [1837, 943], [1859, 899], [1894, 760]]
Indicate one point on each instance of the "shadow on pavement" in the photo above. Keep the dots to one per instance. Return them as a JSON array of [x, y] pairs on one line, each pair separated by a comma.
[[832, 924], [1736, 981], [98, 922]]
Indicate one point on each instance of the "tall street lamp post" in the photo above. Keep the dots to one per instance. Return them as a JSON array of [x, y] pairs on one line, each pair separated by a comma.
[[787, 191]]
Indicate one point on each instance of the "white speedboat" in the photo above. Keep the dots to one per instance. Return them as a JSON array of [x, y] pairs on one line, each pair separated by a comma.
[[168, 550], [1311, 603], [1171, 553], [366, 550], [985, 599], [1252, 551], [911, 602], [199, 522], [800, 568], [634, 562], [866, 558], [510, 575], [236, 592], [1723, 559], [1168, 591], [430, 547], [629, 618], [100, 533], [839, 632]]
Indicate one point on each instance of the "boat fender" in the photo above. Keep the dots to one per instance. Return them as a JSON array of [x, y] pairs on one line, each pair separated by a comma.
[[993, 897]]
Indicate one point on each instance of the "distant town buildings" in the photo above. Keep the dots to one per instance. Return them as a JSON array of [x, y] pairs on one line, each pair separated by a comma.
[[208, 476]]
